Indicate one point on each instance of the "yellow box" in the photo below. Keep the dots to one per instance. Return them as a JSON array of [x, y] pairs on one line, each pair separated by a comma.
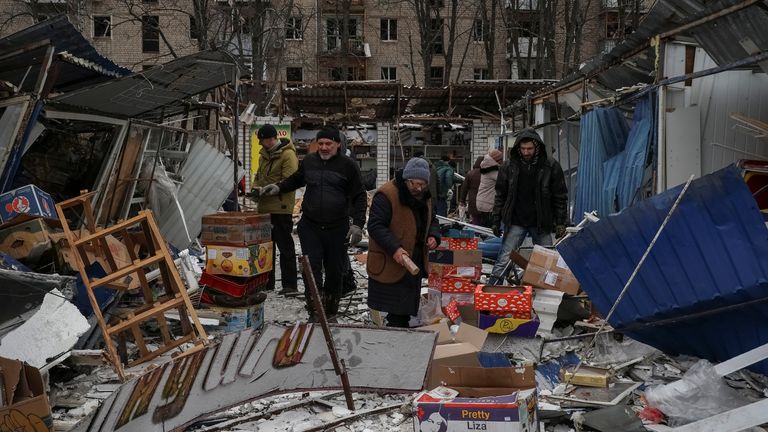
[[239, 261], [586, 376]]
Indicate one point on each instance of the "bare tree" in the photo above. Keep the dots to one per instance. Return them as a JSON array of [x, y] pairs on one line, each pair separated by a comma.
[[489, 10]]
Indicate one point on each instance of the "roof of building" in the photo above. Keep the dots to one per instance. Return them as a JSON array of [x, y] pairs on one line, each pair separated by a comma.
[[168, 87], [728, 30], [378, 99], [77, 61]]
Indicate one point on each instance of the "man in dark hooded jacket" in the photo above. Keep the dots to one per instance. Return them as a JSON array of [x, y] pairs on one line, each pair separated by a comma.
[[531, 197]]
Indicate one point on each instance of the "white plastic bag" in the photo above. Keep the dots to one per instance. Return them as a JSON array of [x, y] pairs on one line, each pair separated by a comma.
[[700, 394], [430, 309]]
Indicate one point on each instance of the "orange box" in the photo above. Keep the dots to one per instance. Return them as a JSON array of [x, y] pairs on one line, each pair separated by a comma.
[[517, 300]]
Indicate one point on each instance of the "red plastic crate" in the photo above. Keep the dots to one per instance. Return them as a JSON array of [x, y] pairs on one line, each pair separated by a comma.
[[517, 300], [233, 286]]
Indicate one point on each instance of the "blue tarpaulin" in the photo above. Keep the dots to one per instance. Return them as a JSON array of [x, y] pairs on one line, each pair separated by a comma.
[[613, 157], [701, 290]]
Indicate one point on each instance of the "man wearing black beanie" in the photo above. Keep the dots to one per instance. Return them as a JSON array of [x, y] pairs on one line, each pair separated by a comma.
[[333, 182]]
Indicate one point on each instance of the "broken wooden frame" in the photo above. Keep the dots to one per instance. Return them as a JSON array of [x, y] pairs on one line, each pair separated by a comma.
[[153, 308], [239, 369]]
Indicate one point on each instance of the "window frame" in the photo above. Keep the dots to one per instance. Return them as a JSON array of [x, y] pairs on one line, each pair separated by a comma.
[[389, 29], [484, 30], [292, 30], [482, 72], [109, 27], [389, 70], [294, 83], [144, 31]]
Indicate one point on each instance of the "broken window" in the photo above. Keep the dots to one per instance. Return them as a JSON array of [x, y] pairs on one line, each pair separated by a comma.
[[293, 29], [194, 29], [294, 76], [102, 26], [480, 30], [67, 156], [150, 34]]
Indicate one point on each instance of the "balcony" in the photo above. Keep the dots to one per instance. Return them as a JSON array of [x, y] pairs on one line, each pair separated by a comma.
[[606, 45], [522, 45], [357, 46]]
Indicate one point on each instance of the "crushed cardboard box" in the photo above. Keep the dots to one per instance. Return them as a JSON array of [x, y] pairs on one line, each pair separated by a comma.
[[23, 402], [546, 269]]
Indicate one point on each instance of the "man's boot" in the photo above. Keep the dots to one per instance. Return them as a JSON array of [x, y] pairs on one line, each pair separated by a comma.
[[289, 291]]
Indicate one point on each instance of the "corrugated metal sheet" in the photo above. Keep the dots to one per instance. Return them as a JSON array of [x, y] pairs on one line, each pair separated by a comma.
[[726, 39], [17, 62], [163, 86], [711, 259], [603, 135], [207, 175]]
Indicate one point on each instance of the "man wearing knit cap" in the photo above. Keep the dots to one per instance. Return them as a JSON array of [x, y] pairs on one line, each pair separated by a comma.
[[531, 197], [333, 181], [401, 226]]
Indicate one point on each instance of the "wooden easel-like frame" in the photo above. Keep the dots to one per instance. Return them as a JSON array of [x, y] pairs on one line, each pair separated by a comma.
[[175, 296]]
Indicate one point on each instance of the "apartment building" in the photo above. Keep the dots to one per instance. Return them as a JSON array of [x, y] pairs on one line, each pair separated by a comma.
[[307, 41]]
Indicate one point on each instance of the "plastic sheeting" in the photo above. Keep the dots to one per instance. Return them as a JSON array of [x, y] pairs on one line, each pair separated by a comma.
[[613, 157], [692, 295]]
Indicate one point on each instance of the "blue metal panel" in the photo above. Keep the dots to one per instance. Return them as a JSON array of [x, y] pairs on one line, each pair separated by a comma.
[[711, 258], [603, 135]]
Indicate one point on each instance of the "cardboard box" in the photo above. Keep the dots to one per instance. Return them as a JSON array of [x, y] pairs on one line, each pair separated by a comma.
[[66, 259], [508, 325], [239, 261], [456, 233], [236, 229], [449, 243], [458, 257], [458, 350], [238, 319], [515, 412], [27, 200], [451, 284], [23, 396], [446, 270], [515, 300], [547, 270], [586, 376], [27, 241]]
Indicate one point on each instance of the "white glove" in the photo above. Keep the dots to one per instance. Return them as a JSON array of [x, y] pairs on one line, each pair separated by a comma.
[[270, 190]]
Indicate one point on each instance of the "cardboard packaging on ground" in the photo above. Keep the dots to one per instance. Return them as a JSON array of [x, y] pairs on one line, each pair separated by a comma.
[[23, 402], [461, 258], [26, 200], [507, 324], [237, 319], [515, 412], [588, 376], [28, 241], [236, 229], [239, 261], [547, 270], [515, 300]]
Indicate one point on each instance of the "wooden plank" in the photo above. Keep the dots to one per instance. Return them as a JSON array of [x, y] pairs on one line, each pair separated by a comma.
[[176, 278], [111, 230], [125, 271], [162, 350], [143, 316]]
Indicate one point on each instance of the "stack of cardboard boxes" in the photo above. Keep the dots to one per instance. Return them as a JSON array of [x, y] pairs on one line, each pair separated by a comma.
[[454, 268], [238, 262]]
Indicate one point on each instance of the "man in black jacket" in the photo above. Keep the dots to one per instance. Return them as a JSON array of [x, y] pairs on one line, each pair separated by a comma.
[[333, 181], [531, 197]]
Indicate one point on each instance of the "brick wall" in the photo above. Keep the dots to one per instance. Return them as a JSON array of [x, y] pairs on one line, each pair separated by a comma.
[[383, 131], [482, 130]]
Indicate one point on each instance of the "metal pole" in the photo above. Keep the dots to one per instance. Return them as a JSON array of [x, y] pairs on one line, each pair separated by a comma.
[[338, 366]]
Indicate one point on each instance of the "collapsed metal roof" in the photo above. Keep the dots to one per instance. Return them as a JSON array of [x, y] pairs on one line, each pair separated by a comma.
[[77, 62], [379, 100], [167, 86], [702, 290], [728, 30]]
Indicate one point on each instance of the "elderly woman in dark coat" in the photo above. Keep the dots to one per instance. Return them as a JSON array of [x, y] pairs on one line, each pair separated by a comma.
[[401, 225]]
